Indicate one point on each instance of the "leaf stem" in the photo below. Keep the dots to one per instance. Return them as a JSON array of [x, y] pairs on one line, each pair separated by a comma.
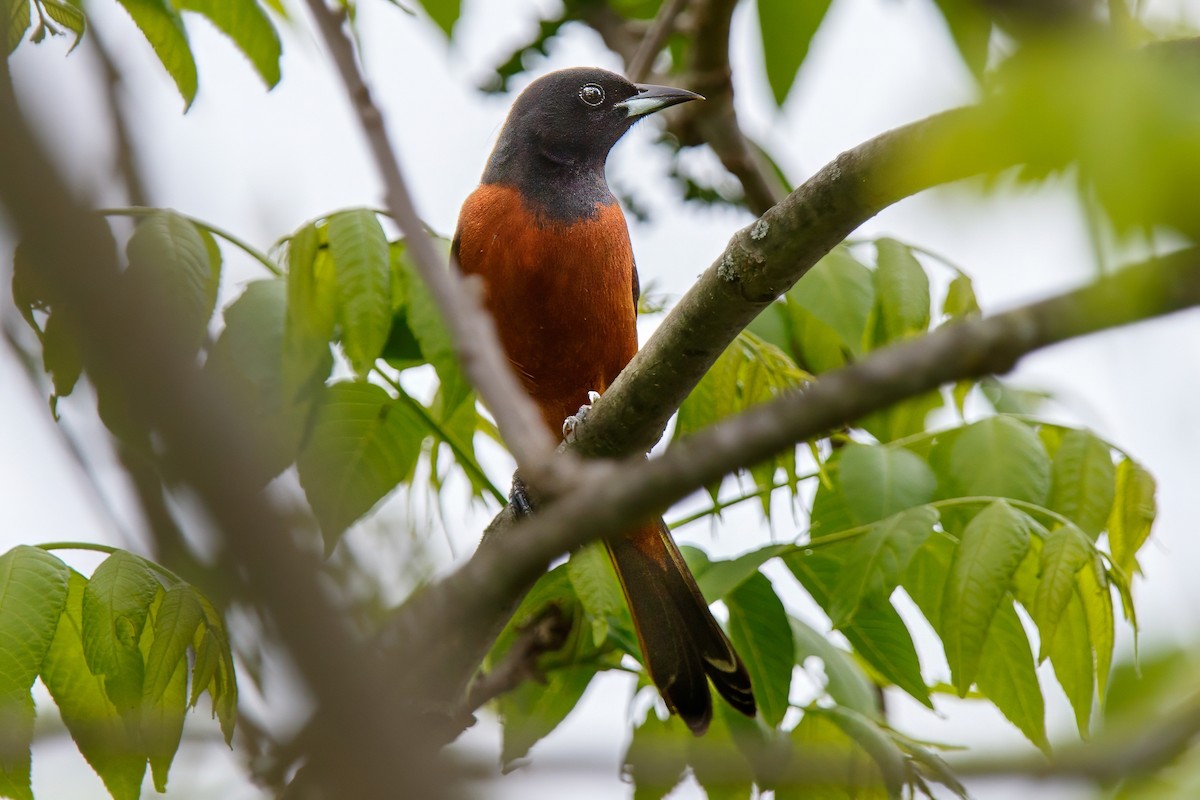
[[718, 507]]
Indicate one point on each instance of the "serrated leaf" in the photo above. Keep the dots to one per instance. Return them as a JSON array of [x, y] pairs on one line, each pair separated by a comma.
[[33, 593], [845, 681], [98, 728], [990, 549], [901, 289], [359, 249], [1007, 676], [20, 17], [1065, 552], [1133, 512], [163, 28], [881, 481], [877, 633], [1071, 656], [1082, 481], [248, 27], [760, 632], [170, 265], [164, 703], [223, 687], [839, 292], [363, 443], [69, 17], [787, 29], [656, 757], [430, 331], [532, 710], [999, 457], [877, 559], [1094, 593], [115, 606]]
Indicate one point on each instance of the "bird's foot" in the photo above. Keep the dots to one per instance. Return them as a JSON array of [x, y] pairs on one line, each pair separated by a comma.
[[572, 423], [518, 496]]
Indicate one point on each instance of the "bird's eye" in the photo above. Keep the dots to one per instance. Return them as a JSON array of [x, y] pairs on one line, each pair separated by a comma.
[[591, 94]]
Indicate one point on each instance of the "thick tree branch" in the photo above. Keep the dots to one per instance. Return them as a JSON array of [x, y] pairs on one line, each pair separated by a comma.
[[475, 599], [458, 300]]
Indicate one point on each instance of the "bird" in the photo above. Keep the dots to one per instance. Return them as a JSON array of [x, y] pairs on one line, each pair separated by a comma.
[[550, 242]]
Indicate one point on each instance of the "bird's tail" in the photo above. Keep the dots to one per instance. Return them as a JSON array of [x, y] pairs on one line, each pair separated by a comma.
[[683, 646]]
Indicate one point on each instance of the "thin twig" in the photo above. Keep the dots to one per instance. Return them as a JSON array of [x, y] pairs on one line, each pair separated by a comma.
[[545, 633], [661, 29], [459, 301]]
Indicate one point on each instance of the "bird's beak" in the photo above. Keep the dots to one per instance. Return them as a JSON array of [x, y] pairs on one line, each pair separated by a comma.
[[651, 98]]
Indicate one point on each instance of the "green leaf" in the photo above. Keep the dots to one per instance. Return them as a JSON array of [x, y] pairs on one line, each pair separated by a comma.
[[68, 16], [532, 710], [20, 17], [1096, 597], [311, 314], [1071, 656], [1065, 552], [61, 359], [115, 605], [656, 757], [110, 746], [174, 617], [33, 592], [444, 13], [871, 738], [1007, 676], [971, 30], [881, 481], [838, 291], [248, 361], [759, 630], [1082, 481], [248, 27], [827, 764], [163, 28], [787, 29], [431, 332], [960, 302], [999, 457], [877, 633], [902, 419], [596, 585], [815, 346], [925, 578], [877, 560], [846, 682], [223, 687], [717, 762], [902, 290], [989, 552], [718, 578], [359, 249], [363, 443], [1132, 514], [171, 265]]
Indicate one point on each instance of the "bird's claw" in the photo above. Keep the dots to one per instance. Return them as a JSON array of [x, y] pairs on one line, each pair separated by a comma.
[[518, 496], [573, 422]]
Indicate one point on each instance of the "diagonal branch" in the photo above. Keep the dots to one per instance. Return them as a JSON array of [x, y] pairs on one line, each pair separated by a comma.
[[459, 301], [474, 599]]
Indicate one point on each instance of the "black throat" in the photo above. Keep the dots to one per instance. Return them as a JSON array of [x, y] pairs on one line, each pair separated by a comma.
[[560, 185]]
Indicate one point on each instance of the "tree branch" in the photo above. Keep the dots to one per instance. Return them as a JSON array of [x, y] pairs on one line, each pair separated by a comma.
[[459, 301], [475, 598], [652, 43]]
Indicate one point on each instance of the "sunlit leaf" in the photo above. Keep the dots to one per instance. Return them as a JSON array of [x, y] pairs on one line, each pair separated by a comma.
[[1007, 676], [787, 29], [999, 457], [1065, 552], [1133, 512], [33, 592], [759, 630], [1082, 481], [839, 292], [163, 28], [248, 27], [881, 481], [359, 250], [115, 606], [989, 551], [902, 291]]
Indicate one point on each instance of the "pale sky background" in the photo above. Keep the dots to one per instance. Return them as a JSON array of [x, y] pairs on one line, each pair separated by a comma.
[[261, 163]]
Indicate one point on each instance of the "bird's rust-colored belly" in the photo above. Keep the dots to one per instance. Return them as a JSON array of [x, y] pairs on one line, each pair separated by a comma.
[[561, 294]]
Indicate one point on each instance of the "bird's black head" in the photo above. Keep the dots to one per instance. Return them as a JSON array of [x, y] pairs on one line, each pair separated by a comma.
[[563, 125]]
